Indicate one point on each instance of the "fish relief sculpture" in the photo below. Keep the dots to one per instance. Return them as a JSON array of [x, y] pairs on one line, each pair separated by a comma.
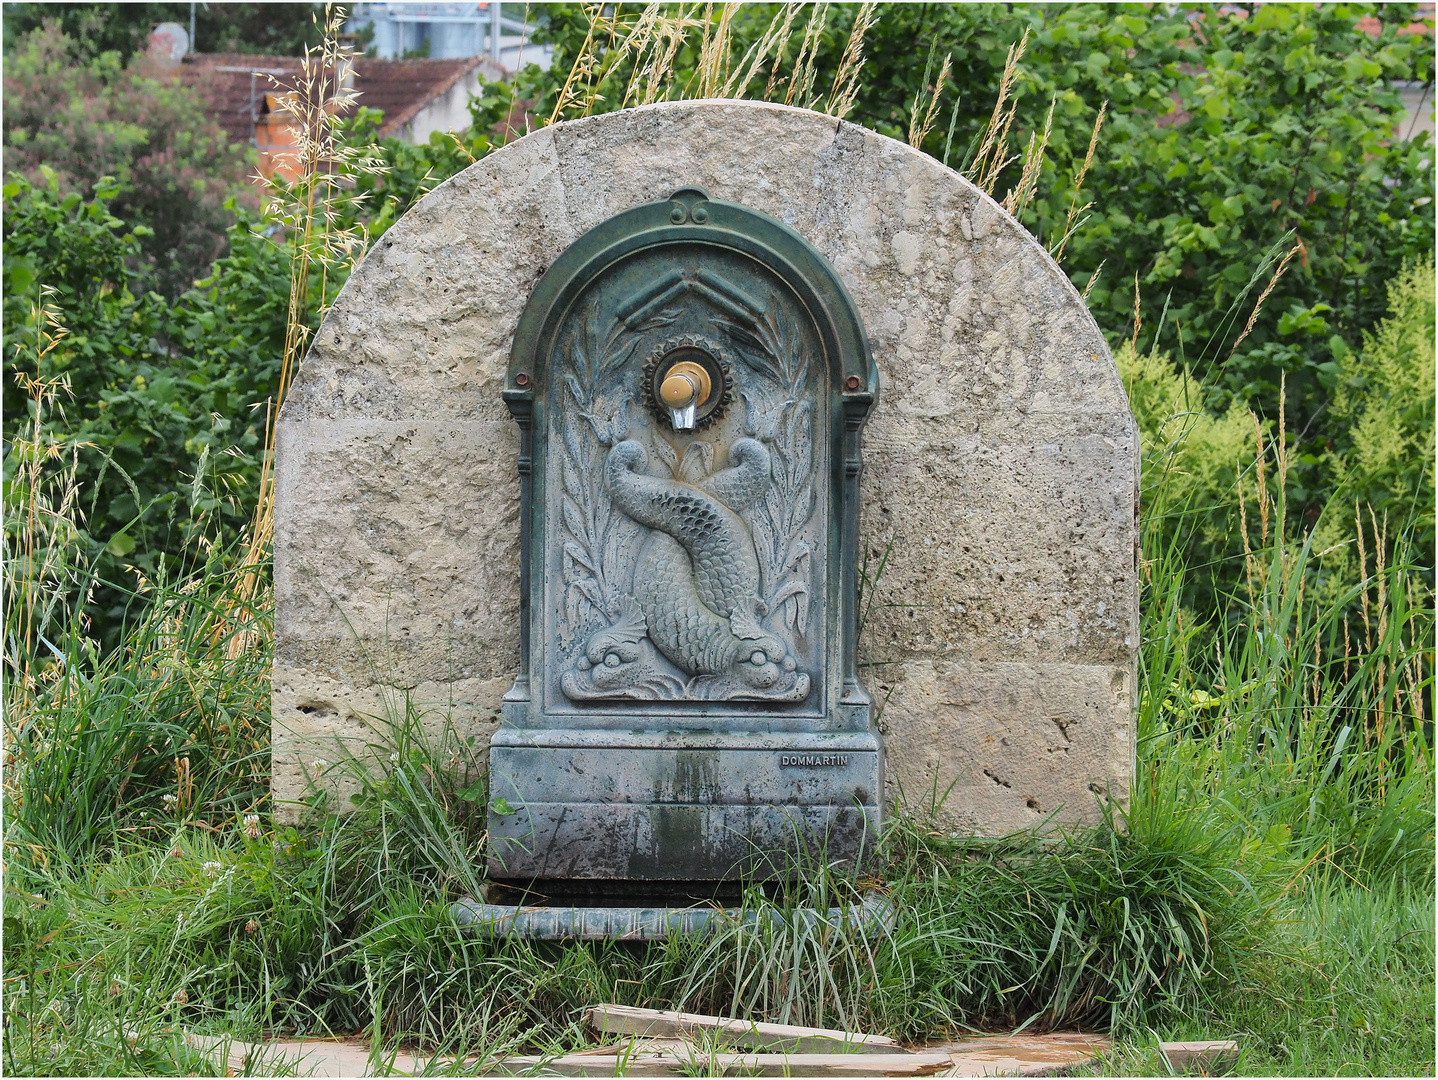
[[696, 591], [687, 534]]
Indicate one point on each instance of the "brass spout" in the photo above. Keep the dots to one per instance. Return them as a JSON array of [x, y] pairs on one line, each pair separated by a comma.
[[684, 389]]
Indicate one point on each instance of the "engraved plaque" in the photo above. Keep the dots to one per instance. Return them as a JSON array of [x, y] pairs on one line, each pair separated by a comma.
[[690, 380]]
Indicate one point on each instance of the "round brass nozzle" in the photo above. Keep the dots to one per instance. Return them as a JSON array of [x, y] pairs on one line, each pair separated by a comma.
[[685, 384]]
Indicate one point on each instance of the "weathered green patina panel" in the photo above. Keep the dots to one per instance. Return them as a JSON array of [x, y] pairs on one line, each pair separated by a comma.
[[690, 380]]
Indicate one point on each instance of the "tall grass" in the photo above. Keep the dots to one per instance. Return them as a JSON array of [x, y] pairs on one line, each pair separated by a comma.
[[1301, 710], [303, 199], [631, 57]]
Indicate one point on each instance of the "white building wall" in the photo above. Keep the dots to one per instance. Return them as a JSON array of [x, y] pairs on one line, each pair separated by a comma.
[[453, 30], [447, 112]]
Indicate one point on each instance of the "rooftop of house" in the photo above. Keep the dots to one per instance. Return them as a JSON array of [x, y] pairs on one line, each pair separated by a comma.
[[235, 85]]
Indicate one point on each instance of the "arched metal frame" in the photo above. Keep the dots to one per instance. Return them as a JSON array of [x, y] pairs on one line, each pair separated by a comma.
[[690, 217]]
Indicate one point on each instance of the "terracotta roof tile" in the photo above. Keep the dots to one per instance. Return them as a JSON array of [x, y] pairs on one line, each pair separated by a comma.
[[233, 85]]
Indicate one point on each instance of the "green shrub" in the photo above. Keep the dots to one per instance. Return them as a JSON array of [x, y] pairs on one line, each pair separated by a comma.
[[1191, 459], [1384, 408], [166, 403], [171, 168]]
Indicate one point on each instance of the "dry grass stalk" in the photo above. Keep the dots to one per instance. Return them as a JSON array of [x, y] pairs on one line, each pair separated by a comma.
[[38, 554], [659, 75], [707, 25], [1093, 280], [991, 159], [1019, 196], [637, 39], [1281, 452], [1137, 312], [1253, 566], [665, 37], [1252, 319], [184, 784], [322, 166], [1413, 669], [1261, 475], [1247, 547], [714, 55], [781, 43], [1072, 220], [1347, 651], [919, 130], [801, 81], [845, 88], [1363, 577], [578, 88], [748, 68], [1380, 544]]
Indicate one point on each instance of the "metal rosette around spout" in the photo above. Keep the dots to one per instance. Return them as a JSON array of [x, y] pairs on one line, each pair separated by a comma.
[[697, 350]]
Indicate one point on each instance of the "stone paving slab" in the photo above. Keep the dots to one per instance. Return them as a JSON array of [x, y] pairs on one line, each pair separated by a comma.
[[1210, 1057], [1055, 1054], [1002, 1055]]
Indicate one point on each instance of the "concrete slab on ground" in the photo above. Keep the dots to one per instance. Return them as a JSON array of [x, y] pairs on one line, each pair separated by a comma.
[[1210, 1057], [1000, 1055]]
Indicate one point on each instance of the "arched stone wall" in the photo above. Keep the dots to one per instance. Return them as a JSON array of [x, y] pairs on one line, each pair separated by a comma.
[[1001, 461]]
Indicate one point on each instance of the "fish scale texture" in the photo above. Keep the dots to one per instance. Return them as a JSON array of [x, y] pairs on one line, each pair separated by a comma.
[[685, 630], [726, 570]]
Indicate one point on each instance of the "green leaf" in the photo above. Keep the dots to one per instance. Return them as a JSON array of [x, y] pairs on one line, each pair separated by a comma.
[[500, 806], [120, 545]]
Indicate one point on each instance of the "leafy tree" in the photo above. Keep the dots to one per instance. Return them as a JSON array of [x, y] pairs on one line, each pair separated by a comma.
[[172, 167], [1274, 129], [168, 401], [277, 29]]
